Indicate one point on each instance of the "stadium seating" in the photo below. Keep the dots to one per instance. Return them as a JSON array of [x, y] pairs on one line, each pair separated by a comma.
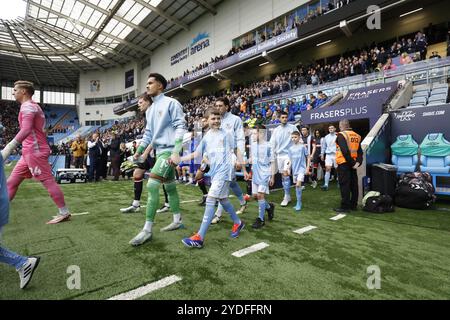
[[437, 99], [54, 114], [427, 96], [418, 102], [435, 154], [404, 154]]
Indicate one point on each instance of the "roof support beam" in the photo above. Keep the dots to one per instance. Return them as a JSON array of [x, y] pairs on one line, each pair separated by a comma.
[[38, 51], [79, 55], [43, 40], [163, 14], [120, 19], [54, 34], [68, 35], [206, 5], [13, 37], [84, 25]]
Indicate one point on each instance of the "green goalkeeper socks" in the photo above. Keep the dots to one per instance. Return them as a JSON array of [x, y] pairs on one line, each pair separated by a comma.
[[153, 198]]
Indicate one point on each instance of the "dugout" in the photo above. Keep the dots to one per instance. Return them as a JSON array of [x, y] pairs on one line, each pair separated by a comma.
[[418, 124]]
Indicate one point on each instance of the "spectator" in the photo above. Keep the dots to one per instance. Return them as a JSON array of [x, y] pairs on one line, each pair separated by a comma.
[[79, 149], [435, 55], [405, 59], [389, 65], [114, 149]]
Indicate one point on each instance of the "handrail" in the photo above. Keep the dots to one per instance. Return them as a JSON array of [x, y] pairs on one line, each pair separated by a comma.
[[364, 80]]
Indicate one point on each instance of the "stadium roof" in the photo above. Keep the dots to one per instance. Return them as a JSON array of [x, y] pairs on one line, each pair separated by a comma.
[[58, 39]]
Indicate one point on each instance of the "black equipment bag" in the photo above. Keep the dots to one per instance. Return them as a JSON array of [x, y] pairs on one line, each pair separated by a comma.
[[379, 204], [415, 191]]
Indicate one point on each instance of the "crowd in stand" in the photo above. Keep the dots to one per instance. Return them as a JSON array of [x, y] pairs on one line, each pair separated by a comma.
[[362, 61], [279, 28], [371, 59], [9, 119]]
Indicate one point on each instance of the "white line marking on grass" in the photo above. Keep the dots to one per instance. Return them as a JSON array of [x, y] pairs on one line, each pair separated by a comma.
[[80, 214], [144, 290], [77, 214], [338, 217], [188, 201], [251, 249], [305, 229]]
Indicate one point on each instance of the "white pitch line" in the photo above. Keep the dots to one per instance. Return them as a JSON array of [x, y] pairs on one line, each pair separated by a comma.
[[188, 201], [80, 214], [77, 214], [305, 229], [338, 217], [144, 290], [251, 249]]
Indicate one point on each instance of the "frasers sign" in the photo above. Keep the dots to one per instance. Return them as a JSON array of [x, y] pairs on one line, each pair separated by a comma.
[[200, 42], [342, 113], [362, 103], [200, 73], [378, 94], [337, 113], [367, 94]]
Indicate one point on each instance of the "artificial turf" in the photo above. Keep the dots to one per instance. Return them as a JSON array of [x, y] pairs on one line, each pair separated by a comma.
[[410, 247]]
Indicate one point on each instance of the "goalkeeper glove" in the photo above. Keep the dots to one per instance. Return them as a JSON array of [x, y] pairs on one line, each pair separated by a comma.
[[9, 149]]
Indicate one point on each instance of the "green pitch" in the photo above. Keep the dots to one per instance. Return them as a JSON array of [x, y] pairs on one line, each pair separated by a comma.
[[411, 248]]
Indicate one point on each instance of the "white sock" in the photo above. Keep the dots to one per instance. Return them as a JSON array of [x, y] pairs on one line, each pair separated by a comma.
[[148, 226], [219, 211], [63, 211], [136, 203], [177, 218]]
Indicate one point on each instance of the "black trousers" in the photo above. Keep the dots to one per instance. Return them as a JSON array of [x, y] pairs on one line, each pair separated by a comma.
[[115, 164], [79, 162], [348, 183]]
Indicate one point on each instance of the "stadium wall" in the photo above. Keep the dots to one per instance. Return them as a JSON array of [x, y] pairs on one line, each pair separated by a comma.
[[111, 83], [233, 19], [307, 52]]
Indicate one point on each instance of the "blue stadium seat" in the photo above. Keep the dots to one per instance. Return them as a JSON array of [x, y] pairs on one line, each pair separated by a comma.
[[440, 85], [404, 154], [435, 165], [441, 90], [435, 154], [419, 101], [438, 98], [420, 94], [405, 163]]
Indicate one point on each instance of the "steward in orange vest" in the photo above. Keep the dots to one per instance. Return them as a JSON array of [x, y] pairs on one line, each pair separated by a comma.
[[349, 156], [347, 148]]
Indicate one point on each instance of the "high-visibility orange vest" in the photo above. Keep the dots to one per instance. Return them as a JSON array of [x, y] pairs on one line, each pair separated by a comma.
[[353, 140]]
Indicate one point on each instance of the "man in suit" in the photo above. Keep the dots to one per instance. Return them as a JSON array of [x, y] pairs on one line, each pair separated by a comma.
[[95, 151]]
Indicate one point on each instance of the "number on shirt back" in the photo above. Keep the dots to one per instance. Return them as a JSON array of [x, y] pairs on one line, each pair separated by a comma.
[[36, 171]]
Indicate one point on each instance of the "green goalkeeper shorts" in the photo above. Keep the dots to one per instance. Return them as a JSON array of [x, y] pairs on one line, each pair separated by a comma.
[[162, 168]]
